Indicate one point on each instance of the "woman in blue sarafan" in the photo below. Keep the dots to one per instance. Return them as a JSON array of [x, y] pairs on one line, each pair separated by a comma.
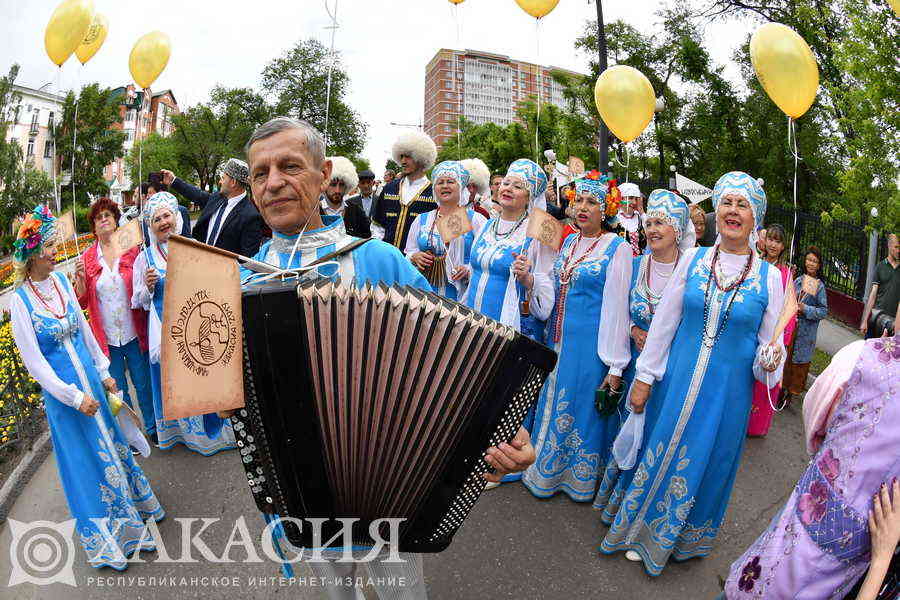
[[445, 268], [149, 280], [589, 330], [711, 335], [508, 268], [670, 234], [99, 475]]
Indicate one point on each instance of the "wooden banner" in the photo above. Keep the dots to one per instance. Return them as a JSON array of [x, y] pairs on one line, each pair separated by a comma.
[[788, 311], [454, 225], [65, 227], [545, 228], [576, 167], [127, 236], [201, 357]]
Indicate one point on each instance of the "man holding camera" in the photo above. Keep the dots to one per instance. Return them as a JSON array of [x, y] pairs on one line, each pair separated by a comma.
[[885, 295], [228, 218]]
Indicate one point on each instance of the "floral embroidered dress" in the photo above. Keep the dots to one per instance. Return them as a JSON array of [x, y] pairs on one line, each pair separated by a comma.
[[817, 547], [572, 441], [194, 432], [425, 237], [704, 380], [99, 476], [642, 302]]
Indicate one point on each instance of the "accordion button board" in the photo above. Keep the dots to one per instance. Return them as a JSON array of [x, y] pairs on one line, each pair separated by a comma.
[[377, 402]]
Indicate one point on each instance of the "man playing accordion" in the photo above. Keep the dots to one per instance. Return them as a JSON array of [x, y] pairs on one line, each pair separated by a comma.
[[288, 173]]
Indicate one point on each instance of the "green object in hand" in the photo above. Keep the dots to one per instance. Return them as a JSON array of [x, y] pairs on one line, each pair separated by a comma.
[[606, 401]]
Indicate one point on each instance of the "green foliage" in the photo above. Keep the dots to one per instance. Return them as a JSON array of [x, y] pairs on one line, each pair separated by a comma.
[[294, 85], [390, 164], [96, 143], [155, 152], [297, 85]]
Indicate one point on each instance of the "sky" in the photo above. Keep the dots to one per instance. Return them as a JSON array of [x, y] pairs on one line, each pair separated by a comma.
[[385, 45]]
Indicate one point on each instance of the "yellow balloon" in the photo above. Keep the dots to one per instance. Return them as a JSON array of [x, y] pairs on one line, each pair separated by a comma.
[[537, 8], [786, 68], [149, 57], [95, 37], [67, 27], [625, 100], [895, 4], [457, 1]]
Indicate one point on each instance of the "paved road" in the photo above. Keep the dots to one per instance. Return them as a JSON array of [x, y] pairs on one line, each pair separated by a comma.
[[512, 546]]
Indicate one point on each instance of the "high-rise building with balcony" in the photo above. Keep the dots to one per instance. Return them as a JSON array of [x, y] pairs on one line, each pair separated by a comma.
[[482, 87]]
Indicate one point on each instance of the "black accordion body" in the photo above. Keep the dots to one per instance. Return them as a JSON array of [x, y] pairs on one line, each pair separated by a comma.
[[377, 402]]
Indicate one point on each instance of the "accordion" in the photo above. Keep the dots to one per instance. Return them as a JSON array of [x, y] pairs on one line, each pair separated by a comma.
[[377, 402]]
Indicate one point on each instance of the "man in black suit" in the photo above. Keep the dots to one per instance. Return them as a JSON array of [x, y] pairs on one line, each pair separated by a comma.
[[228, 218], [359, 207]]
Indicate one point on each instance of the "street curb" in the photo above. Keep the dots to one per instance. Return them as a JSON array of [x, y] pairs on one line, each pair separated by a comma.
[[22, 474]]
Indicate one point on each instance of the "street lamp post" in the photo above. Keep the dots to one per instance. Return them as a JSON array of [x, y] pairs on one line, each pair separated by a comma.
[[601, 48]]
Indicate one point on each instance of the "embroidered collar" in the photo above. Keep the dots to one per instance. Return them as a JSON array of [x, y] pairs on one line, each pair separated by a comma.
[[331, 233]]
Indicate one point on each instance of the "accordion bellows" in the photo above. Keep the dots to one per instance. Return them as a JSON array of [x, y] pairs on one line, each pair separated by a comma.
[[377, 402]]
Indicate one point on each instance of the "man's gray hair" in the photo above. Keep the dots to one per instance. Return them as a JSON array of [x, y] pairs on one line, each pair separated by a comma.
[[314, 141]]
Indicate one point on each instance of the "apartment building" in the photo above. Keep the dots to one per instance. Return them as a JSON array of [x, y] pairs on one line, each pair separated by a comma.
[[483, 87]]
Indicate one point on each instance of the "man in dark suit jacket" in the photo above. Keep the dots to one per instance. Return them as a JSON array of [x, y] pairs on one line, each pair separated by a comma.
[[228, 218], [357, 208]]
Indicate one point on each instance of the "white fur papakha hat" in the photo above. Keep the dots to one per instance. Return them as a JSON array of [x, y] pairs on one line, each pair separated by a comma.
[[479, 174], [344, 170], [418, 145]]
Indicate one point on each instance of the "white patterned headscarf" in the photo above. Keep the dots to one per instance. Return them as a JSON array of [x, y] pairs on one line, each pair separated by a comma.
[[535, 180], [665, 205], [741, 184], [159, 201]]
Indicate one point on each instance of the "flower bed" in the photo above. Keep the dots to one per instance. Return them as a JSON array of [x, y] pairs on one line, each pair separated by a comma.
[[21, 407]]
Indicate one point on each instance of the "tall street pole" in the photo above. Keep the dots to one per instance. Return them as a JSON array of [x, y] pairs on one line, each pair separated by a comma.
[[601, 47]]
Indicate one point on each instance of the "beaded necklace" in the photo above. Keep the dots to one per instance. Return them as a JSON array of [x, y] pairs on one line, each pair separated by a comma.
[[162, 252], [652, 297], [710, 340], [46, 301], [501, 236], [565, 276]]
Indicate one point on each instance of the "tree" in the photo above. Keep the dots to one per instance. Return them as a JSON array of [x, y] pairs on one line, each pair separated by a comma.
[[206, 137], [97, 144], [296, 84], [156, 152], [393, 166]]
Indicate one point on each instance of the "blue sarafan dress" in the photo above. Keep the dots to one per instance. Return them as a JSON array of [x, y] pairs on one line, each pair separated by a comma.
[[99, 476], [702, 351], [493, 290], [196, 433], [642, 301], [589, 330], [425, 237]]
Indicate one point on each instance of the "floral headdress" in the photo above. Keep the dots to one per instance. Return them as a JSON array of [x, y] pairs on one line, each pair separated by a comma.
[[605, 191], [38, 227]]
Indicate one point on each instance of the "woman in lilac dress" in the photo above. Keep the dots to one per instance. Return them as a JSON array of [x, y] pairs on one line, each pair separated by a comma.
[[817, 547]]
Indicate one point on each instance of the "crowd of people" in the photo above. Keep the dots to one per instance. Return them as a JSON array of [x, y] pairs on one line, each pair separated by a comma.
[[648, 323]]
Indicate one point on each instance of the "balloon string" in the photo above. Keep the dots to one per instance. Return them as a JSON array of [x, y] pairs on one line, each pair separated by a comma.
[[792, 138], [56, 192], [537, 122], [74, 146]]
